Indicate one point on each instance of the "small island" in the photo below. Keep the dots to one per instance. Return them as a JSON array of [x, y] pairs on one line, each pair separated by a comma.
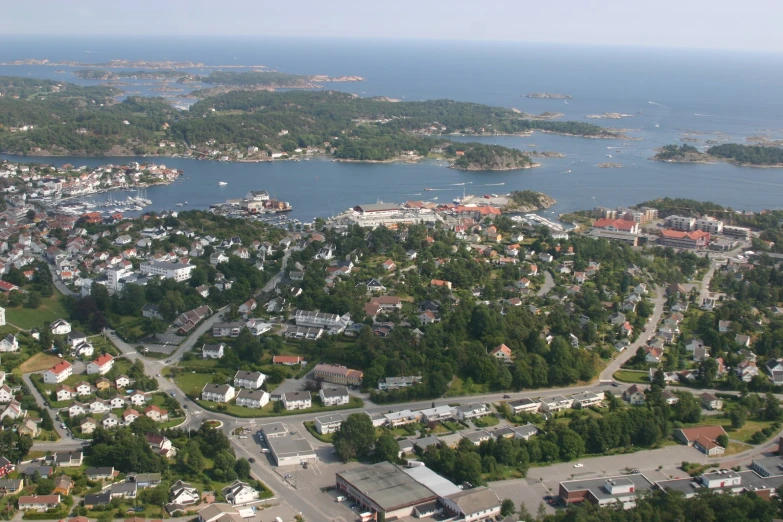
[[528, 201], [609, 116], [476, 156], [734, 153], [544, 154], [548, 96], [610, 165]]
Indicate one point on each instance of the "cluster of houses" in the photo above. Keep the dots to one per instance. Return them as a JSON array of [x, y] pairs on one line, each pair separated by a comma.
[[12, 408]]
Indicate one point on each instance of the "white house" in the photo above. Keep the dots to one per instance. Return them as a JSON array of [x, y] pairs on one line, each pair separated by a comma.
[[9, 344], [6, 394], [58, 373], [60, 327], [472, 411], [252, 398], [298, 400], [183, 493], [101, 366], [250, 380], [218, 392], [212, 351], [239, 493], [334, 395]]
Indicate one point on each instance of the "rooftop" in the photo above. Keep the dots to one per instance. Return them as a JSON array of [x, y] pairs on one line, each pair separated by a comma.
[[388, 486]]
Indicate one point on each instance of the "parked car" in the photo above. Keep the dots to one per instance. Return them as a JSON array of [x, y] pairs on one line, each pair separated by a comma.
[[251, 460], [579, 465]]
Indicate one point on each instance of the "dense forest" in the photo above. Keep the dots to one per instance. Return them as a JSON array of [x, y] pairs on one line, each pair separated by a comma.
[[86, 120], [678, 153]]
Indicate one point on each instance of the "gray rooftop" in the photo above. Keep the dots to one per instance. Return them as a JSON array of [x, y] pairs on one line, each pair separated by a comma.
[[388, 486], [439, 485], [334, 391], [596, 485], [289, 445], [475, 500]]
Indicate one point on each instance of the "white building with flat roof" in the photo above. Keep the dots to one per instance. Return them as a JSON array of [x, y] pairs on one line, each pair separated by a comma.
[[175, 271]]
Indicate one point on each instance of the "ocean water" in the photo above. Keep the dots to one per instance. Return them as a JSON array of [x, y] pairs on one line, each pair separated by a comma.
[[667, 92]]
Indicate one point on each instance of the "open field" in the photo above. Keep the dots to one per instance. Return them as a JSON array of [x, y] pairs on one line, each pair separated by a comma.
[[51, 308], [38, 363]]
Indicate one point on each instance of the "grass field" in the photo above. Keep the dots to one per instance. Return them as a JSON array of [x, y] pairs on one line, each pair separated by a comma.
[[38, 363], [486, 421], [742, 434], [193, 383], [735, 447], [638, 377], [26, 318]]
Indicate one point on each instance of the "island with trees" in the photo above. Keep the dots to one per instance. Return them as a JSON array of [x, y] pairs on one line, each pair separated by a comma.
[[476, 156], [548, 96], [734, 153], [528, 201], [50, 118]]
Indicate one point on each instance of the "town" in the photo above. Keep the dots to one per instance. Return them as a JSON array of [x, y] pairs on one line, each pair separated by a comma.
[[455, 361]]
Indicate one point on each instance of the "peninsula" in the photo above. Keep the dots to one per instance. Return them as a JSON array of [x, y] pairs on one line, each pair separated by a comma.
[[734, 153], [476, 156], [45, 118]]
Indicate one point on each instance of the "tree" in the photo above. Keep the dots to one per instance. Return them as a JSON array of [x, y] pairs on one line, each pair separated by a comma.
[[45, 486], [738, 416], [708, 370], [772, 410], [386, 448], [507, 507], [152, 327], [723, 440], [355, 437], [33, 300], [46, 420], [242, 468]]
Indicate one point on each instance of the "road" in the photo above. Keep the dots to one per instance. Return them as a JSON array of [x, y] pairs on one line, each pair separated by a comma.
[[649, 329], [40, 401], [549, 284]]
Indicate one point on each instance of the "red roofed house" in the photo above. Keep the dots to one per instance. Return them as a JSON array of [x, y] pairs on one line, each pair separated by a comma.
[[389, 265], [101, 365], [5, 286], [440, 282], [288, 360], [678, 239], [617, 225], [502, 353], [58, 373], [703, 438]]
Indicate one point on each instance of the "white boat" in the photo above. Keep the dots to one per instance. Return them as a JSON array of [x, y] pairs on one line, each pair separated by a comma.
[[221, 183], [179, 204]]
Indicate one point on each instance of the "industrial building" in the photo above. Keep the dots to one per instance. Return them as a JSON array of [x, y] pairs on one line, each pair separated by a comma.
[[287, 448]]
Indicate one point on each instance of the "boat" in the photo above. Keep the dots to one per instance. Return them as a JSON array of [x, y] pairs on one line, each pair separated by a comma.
[[179, 204], [427, 188], [222, 183], [608, 155]]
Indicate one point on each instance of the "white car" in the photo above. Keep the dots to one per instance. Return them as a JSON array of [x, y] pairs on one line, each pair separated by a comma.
[[579, 465]]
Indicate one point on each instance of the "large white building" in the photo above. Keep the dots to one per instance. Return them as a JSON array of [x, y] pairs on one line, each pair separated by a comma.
[[709, 224], [114, 276], [175, 271], [683, 223], [58, 373], [321, 320], [218, 392]]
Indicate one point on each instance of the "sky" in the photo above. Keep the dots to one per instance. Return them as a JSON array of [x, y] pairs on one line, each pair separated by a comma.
[[703, 24]]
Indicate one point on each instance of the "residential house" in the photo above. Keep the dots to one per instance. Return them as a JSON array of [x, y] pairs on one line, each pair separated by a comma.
[[297, 400], [101, 365], [58, 373], [212, 351], [634, 395], [746, 370], [249, 380], [218, 392], [502, 353], [155, 413], [239, 493], [333, 395], [711, 401], [252, 398], [472, 411]]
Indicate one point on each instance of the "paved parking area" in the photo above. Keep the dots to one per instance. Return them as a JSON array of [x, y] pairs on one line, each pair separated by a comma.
[[290, 385]]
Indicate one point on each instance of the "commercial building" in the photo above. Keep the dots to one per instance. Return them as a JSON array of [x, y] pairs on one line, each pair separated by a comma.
[[287, 449], [678, 239], [736, 232], [617, 225], [175, 271], [376, 209], [614, 235], [473, 504], [725, 481], [385, 489], [605, 491], [338, 374]]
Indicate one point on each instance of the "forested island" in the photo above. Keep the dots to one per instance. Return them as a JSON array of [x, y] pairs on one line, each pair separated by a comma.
[[476, 156], [45, 118], [528, 201], [734, 153]]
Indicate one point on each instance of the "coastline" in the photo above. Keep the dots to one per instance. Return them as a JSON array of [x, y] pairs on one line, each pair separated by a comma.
[[715, 161]]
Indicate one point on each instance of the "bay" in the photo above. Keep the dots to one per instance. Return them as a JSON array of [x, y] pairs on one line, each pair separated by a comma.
[[667, 92]]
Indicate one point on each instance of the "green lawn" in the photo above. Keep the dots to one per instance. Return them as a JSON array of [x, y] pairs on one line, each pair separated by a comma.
[[310, 425], [268, 410], [26, 318], [459, 387], [486, 421], [638, 377], [742, 434], [192, 383]]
